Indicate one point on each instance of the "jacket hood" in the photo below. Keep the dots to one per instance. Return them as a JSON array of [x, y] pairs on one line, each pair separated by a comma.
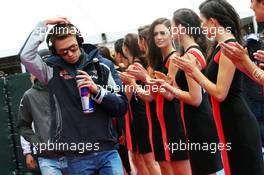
[[39, 86]]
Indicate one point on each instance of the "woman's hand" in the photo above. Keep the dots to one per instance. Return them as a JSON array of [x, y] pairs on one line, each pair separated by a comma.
[[259, 55], [126, 78], [162, 88], [186, 64], [236, 53], [139, 72], [160, 75]]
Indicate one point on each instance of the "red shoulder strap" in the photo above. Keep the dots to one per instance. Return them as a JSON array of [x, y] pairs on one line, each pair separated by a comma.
[[198, 56], [167, 63], [217, 56]]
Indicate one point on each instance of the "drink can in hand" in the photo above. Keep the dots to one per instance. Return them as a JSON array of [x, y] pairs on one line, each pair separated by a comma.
[[87, 103]]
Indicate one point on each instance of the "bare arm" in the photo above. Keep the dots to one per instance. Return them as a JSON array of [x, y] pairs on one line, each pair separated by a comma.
[[225, 76], [194, 95], [238, 55]]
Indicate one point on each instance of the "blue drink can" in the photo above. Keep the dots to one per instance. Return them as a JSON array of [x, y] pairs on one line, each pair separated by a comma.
[[87, 103]]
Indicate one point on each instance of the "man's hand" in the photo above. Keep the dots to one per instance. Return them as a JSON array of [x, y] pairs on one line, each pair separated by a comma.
[[57, 20], [84, 80], [31, 164]]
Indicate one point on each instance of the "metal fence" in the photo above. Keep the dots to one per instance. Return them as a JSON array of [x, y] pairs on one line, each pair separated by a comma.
[[12, 89]]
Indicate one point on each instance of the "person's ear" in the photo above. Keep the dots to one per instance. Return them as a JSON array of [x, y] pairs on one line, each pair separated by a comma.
[[214, 22]]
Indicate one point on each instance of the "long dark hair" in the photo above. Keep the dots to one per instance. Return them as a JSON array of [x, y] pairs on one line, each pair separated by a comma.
[[190, 20], [143, 32], [155, 55], [131, 42], [224, 13]]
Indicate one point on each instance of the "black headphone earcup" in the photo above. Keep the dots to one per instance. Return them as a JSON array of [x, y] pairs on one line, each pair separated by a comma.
[[52, 49], [79, 38], [49, 44]]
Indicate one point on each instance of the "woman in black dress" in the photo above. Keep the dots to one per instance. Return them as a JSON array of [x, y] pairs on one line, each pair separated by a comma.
[[168, 119], [240, 55], [195, 104], [137, 129], [236, 126]]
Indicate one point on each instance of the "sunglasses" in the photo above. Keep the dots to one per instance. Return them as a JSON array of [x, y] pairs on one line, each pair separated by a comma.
[[161, 33], [73, 48]]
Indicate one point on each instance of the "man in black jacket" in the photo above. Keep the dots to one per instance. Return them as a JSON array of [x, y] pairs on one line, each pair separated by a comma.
[[88, 140]]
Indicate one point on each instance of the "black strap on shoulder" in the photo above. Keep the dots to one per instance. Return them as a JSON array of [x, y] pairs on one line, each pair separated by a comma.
[[226, 41], [168, 56], [195, 47], [230, 40]]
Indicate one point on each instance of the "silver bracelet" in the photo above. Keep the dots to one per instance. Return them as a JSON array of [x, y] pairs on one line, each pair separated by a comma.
[[176, 93], [202, 83], [258, 74]]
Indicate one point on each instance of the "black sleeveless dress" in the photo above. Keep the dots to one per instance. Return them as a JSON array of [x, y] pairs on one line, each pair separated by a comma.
[[155, 134], [200, 127], [136, 118], [171, 124], [236, 125]]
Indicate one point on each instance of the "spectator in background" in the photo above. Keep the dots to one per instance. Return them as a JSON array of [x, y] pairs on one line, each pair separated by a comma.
[[34, 110], [119, 55], [105, 52], [252, 90]]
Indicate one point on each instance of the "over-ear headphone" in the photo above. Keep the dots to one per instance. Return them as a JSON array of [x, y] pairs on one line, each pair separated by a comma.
[[62, 28]]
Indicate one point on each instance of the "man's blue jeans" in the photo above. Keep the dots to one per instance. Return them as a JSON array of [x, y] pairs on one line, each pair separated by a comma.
[[56, 166], [101, 163]]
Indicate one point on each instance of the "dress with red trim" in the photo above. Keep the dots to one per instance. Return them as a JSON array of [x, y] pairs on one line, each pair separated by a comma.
[[200, 126], [236, 125], [172, 127]]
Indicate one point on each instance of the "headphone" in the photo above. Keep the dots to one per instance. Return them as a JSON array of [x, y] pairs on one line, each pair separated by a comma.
[[62, 27]]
